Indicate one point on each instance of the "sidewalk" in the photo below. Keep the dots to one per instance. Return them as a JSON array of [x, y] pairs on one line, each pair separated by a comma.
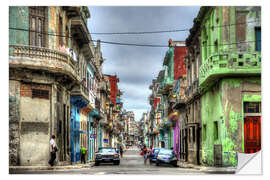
[[209, 169], [75, 166]]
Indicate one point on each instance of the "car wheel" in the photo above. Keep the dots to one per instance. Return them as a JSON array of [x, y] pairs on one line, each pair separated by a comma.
[[116, 162], [157, 163], [174, 164], [96, 164]]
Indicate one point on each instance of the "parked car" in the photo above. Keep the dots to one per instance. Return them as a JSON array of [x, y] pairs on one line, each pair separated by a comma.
[[107, 155], [166, 156], [153, 157]]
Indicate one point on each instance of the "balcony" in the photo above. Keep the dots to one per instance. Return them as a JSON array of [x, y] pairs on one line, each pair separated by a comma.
[[79, 30], [192, 90], [225, 65], [104, 121], [41, 58], [180, 102], [80, 91], [102, 87]]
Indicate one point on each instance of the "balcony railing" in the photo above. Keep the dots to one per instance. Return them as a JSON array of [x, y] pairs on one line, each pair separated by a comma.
[[42, 58], [82, 91], [228, 64]]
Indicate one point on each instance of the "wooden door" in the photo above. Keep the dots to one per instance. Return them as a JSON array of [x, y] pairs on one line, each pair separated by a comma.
[[252, 134]]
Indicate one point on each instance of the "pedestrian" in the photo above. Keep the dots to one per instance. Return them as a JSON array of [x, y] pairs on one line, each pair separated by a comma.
[[121, 151], [53, 150], [150, 155], [144, 154], [83, 154]]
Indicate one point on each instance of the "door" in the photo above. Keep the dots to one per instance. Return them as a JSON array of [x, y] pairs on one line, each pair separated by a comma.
[[217, 155], [252, 134], [186, 145], [198, 144]]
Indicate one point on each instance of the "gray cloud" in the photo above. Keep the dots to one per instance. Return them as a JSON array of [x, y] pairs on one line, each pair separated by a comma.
[[137, 66]]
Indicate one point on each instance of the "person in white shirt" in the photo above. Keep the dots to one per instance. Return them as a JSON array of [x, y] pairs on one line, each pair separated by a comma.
[[52, 150]]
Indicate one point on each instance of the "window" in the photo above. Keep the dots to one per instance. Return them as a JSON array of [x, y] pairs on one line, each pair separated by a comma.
[[189, 135], [67, 36], [60, 31], [216, 45], [37, 19], [87, 80], [38, 93], [252, 107], [204, 132], [193, 134], [215, 130], [258, 38]]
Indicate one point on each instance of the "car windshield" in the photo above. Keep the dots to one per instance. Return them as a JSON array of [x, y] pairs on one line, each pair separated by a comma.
[[106, 150], [165, 152]]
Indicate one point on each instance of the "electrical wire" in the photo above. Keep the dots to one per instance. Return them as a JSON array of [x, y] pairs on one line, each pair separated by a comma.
[[145, 32], [126, 44]]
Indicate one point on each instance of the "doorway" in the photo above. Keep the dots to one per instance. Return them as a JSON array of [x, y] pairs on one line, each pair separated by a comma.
[[252, 134]]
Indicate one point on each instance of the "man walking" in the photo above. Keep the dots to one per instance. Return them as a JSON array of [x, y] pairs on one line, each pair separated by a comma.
[[83, 153], [121, 151], [53, 150]]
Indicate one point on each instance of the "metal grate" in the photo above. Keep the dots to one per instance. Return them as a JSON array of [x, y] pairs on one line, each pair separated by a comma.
[[252, 107], [38, 93]]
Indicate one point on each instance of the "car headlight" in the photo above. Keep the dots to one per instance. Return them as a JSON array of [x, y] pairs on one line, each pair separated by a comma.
[[158, 157], [98, 156], [174, 158]]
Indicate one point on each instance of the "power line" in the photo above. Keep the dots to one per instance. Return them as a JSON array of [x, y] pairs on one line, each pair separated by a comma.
[[144, 32], [128, 44]]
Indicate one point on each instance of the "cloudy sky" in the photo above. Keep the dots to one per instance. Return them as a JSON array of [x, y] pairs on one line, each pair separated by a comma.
[[137, 66]]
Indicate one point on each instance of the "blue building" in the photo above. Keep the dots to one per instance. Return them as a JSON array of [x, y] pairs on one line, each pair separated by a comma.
[[77, 103]]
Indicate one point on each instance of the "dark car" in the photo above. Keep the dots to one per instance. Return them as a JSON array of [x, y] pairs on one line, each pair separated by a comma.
[[107, 155], [166, 156], [153, 157]]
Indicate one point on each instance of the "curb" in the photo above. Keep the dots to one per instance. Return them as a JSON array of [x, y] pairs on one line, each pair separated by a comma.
[[211, 170], [29, 168]]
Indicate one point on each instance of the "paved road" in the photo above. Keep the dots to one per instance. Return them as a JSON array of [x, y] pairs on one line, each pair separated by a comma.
[[131, 163]]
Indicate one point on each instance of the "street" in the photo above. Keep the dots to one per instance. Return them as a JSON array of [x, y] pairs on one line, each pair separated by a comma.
[[131, 163]]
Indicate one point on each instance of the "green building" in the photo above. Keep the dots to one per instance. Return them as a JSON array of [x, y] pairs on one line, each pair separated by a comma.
[[230, 83]]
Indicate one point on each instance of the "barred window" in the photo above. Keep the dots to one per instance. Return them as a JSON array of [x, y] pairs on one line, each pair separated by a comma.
[[252, 107], [38, 93], [37, 18]]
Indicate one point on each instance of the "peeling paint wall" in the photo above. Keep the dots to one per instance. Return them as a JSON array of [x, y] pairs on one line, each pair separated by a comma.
[[34, 146], [18, 18], [14, 120], [179, 65], [224, 104]]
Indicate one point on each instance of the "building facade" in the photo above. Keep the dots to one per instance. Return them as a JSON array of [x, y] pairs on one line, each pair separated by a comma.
[[55, 86], [230, 83]]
